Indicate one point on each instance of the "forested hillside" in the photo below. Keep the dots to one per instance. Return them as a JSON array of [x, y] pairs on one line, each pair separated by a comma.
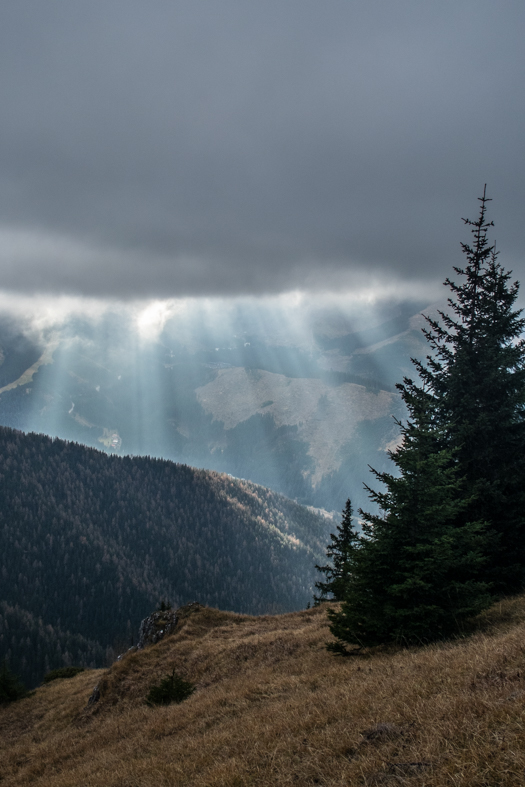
[[89, 543]]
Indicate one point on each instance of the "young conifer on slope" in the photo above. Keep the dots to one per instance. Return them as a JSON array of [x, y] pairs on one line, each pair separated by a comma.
[[453, 519], [340, 551]]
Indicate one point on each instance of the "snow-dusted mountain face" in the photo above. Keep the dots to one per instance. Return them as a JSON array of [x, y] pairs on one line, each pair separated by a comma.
[[295, 397]]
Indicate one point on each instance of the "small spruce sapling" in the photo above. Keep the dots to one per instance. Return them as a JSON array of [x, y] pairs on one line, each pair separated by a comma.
[[172, 688]]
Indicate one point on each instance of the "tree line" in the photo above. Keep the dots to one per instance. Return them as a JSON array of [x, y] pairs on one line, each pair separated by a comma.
[[449, 535]]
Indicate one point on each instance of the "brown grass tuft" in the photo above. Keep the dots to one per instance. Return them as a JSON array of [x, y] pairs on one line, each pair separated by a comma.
[[273, 707]]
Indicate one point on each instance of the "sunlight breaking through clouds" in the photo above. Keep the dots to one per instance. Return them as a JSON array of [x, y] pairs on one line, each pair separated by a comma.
[[287, 319], [315, 375]]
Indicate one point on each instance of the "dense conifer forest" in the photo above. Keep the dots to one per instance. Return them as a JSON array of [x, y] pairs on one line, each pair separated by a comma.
[[91, 543]]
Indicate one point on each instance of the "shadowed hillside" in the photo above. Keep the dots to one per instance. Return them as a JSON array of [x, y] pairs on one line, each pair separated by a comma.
[[273, 707], [90, 543]]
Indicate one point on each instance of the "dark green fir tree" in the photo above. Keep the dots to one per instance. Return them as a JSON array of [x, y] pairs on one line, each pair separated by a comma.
[[416, 570], [477, 373], [340, 552]]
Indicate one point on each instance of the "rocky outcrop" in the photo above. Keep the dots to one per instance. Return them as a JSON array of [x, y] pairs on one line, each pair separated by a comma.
[[156, 626], [95, 696], [152, 629]]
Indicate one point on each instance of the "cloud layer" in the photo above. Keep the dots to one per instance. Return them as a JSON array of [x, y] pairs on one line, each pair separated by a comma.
[[225, 148]]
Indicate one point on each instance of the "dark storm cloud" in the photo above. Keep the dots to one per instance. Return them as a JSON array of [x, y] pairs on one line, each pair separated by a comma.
[[222, 147]]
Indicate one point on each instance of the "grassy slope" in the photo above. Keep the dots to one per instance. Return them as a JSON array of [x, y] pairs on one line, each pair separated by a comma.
[[273, 707]]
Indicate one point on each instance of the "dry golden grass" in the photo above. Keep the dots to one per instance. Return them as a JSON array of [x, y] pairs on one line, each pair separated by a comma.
[[273, 707]]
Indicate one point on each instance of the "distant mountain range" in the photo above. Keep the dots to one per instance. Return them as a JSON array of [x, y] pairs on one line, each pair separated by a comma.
[[301, 409]]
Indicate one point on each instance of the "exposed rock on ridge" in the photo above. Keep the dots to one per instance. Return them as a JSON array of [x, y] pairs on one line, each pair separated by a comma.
[[156, 626]]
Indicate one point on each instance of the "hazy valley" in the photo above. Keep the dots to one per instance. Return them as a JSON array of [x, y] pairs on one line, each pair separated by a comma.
[[299, 404], [91, 542]]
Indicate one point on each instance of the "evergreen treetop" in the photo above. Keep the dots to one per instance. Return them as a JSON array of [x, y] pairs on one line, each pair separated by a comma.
[[477, 374]]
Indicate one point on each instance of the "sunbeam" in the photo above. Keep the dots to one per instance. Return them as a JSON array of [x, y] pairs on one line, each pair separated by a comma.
[[293, 392]]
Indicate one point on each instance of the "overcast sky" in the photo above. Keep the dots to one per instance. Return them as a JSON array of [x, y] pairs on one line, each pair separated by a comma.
[[224, 147]]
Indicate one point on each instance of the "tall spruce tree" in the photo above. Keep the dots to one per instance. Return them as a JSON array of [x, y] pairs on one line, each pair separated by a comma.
[[477, 373], [452, 526]]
